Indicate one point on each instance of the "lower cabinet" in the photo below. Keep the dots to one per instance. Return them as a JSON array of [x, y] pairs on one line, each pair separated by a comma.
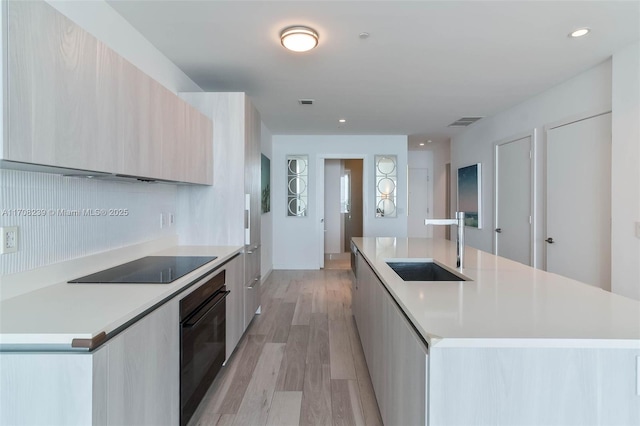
[[252, 282], [133, 379], [235, 303], [143, 371], [396, 356]]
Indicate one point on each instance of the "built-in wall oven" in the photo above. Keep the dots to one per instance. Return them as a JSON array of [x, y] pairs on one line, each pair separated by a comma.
[[202, 342]]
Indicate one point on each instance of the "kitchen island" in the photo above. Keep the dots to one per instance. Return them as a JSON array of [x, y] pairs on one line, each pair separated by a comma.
[[511, 345]]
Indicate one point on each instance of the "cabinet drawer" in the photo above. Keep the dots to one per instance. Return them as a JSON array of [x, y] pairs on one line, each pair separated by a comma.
[[252, 261], [251, 299]]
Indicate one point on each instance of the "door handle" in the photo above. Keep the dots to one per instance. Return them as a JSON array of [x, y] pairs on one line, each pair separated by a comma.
[[550, 240], [498, 230]]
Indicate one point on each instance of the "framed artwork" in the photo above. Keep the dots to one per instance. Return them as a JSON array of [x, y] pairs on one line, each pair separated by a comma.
[[470, 194], [265, 186]]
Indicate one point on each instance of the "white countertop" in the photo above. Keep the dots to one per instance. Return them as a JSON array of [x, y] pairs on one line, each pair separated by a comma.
[[506, 303], [56, 314]]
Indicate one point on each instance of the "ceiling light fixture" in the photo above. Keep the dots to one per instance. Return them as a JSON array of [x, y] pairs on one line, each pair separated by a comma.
[[579, 32], [421, 143], [342, 120], [299, 39]]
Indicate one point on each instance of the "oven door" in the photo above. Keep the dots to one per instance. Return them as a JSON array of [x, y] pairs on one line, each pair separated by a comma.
[[202, 340]]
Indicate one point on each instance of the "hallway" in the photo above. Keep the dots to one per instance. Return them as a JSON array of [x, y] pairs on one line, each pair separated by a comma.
[[299, 363]]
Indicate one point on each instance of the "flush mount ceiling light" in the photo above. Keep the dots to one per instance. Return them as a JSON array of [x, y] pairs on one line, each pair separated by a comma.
[[342, 120], [299, 39], [579, 32]]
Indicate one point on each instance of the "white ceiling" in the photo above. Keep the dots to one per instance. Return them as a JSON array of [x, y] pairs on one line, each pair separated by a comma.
[[425, 64]]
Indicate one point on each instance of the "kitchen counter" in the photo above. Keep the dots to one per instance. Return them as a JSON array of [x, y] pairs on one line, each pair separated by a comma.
[[49, 318], [506, 304]]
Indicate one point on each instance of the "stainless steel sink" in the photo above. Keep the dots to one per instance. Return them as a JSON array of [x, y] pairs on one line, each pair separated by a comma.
[[423, 271]]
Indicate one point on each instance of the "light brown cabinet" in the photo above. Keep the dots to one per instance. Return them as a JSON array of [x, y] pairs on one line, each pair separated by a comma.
[[73, 103]]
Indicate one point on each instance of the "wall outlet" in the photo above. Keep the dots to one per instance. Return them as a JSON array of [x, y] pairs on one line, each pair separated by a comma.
[[9, 239]]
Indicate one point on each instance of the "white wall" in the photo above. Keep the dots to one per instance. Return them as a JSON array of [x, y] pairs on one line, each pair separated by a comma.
[[54, 239], [333, 237], [266, 225], [587, 92], [625, 177], [296, 244]]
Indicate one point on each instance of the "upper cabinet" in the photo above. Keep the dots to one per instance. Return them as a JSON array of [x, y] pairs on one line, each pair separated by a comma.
[[73, 103]]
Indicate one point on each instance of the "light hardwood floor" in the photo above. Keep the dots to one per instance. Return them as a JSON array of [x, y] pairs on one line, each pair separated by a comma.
[[299, 363]]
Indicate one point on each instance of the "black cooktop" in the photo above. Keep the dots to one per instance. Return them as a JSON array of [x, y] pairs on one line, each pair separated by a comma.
[[147, 270]]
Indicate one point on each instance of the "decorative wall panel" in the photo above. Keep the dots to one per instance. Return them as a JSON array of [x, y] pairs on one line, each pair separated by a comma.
[[62, 218]]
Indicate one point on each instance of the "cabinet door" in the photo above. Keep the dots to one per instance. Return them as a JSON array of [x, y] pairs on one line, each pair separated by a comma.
[[395, 355], [404, 366], [54, 89], [235, 304], [144, 370], [140, 123], [198, 150], [252, 167], [173, 164]]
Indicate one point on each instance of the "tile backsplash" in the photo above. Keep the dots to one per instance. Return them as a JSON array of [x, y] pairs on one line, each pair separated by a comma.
[[62, 218]]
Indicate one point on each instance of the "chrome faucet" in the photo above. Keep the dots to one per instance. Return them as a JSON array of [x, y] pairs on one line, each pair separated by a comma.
[[459, 221]]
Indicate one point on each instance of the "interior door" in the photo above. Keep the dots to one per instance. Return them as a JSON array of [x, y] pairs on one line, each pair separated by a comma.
[[353, 219], [578, 240], [513, 220]]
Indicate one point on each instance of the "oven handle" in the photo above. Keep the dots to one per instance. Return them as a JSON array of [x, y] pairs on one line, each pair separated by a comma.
[[201, 313]]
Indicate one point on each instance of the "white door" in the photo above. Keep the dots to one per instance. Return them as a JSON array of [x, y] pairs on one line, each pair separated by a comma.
[[320, 226], [578, 239], [418, 203], [513, 221]]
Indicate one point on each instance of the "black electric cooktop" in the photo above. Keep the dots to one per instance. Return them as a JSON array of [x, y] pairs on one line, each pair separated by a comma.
[[147, 270]]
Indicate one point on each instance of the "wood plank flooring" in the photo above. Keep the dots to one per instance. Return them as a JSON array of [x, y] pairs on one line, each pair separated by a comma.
[[299, 363]]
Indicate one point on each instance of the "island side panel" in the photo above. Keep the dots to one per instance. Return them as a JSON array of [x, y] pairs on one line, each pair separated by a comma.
[[533, 386]]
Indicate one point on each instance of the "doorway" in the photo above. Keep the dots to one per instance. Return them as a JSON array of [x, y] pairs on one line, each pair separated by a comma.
[[513, 230], [578, 238], [343, 206]]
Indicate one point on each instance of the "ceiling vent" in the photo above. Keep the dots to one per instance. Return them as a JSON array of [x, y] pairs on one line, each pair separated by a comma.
[[464, 121], [305, 101]]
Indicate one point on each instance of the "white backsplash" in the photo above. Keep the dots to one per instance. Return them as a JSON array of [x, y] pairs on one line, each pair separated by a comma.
[[53, 237]]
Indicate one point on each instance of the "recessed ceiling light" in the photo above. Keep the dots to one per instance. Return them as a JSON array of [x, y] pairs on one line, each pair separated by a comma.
[[342, 120], [299, 39], [579, 32], [429, 141], [421, 143]]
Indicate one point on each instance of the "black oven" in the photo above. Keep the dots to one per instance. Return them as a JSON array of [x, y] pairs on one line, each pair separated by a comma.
[[202, 342]]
